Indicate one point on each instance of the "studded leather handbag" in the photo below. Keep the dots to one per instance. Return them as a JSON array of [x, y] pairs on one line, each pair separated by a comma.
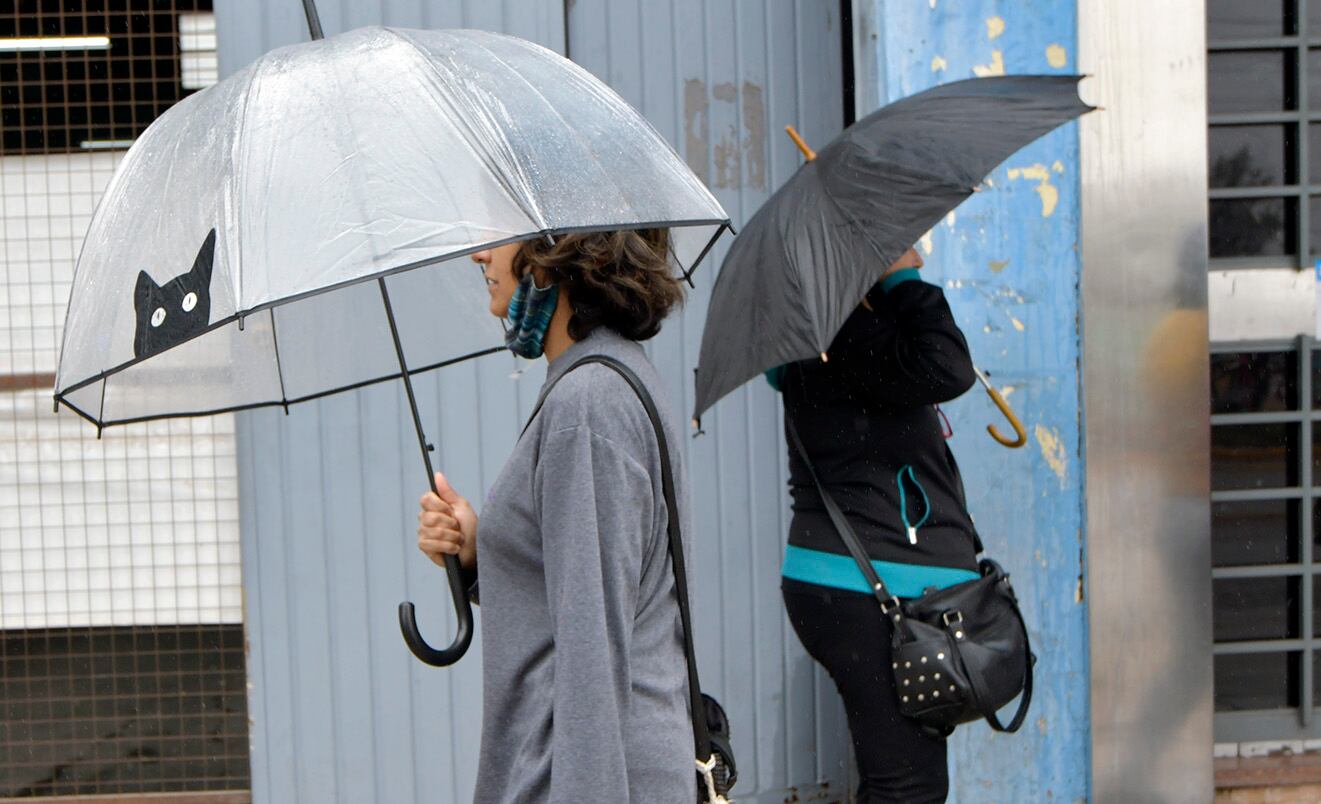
[[959, 653]]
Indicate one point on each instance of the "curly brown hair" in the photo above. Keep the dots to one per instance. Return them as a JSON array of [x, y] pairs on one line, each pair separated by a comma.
[[621, 279]]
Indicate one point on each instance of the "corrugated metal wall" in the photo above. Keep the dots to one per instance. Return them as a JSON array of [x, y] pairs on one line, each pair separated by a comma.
[[340, 710]]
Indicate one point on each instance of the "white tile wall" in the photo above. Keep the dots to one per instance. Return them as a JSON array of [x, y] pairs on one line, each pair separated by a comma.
[[197, 50], [140, 527]]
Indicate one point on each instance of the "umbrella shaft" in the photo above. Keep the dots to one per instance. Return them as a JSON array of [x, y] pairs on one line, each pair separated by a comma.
[[408, 384], [313, 19]]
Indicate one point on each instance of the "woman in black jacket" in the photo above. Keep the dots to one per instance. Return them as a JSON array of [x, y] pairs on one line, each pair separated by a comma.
[[868, 420]]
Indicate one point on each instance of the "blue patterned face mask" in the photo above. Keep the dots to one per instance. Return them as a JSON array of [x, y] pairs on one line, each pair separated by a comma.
[[530, 311]]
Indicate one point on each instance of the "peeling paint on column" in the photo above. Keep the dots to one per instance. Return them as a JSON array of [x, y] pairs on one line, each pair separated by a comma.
[[996, 67], [695, 136], [1052, 450], [1004, 261], [1050, 196], [754, 134]]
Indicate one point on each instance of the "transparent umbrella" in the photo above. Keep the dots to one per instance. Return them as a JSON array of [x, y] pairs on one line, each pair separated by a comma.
[[291, 231]]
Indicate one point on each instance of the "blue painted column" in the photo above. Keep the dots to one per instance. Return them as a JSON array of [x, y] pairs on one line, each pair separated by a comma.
[[1009, 262]]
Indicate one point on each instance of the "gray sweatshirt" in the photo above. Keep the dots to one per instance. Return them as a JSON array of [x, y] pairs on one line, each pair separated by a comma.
[[585, 686]]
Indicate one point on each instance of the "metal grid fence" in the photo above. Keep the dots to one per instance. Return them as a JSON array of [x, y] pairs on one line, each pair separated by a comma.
[[121, 636]]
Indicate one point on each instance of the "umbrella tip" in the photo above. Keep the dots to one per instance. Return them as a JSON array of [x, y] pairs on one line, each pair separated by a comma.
[[808, 153]]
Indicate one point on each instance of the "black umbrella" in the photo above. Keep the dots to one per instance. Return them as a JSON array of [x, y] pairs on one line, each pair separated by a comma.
[[808, 256]]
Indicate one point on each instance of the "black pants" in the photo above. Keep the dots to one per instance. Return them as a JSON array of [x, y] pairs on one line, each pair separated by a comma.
[[845, 632]]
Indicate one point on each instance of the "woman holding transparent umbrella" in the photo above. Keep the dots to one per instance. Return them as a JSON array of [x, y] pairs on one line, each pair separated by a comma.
[[585, 695]]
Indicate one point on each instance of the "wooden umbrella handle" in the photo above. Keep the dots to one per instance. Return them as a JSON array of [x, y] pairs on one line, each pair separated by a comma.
[[999, 400]]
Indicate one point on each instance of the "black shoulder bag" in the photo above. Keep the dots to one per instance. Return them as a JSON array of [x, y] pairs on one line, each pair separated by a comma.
[[716, 772], [960, 653]]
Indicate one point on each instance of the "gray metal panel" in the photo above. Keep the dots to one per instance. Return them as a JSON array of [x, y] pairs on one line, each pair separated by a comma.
[[720, 79], [340, 710], [1145, 386]]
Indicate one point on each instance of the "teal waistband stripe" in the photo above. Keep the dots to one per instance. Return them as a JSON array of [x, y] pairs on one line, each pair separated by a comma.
[[840, 572]]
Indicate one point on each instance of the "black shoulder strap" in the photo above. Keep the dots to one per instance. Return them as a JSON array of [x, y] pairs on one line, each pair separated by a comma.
[[889, 604], [701, 736]]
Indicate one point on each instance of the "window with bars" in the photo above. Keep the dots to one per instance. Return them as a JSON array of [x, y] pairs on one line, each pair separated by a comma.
[[1266, 481], [1264, 101], [122, 661], [1264, 170]]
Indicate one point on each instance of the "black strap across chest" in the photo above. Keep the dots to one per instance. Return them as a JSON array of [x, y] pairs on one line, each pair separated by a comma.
[[701, 736]]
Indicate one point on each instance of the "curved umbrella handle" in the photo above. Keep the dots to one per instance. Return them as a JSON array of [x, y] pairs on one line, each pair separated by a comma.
[[999, 400], [462, 608], [462, 605]]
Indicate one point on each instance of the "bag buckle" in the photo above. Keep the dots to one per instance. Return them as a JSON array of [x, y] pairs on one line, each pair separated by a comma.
[[954, 622], [890, 605], [706, 769]]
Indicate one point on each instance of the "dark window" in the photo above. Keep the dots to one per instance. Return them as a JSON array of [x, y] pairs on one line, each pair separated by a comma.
[[1266, 532], [1263, 93], [143, 709], [54, 100]]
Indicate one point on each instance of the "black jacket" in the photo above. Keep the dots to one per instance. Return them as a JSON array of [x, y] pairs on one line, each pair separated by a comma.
[[868, 412]]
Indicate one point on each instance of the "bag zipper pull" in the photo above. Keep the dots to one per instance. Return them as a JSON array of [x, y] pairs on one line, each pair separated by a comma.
[[909, 527]]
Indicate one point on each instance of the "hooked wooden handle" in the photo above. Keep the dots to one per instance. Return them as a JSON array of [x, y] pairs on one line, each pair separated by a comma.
[[999, 400]]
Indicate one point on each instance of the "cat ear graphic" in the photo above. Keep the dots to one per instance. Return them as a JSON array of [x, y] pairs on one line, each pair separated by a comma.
[[205, 259], [145, 289]]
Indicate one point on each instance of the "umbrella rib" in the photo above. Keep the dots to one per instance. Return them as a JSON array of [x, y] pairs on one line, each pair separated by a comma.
[[279, 369], [576, 133], [237, 189], [101, 412], [520, 196], [688, 272]]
